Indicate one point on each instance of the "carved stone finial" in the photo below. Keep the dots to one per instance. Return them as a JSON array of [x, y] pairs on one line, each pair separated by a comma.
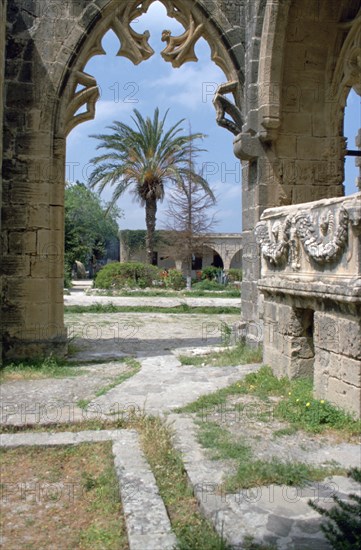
[[224, 106], [180, 49], [134, 46]]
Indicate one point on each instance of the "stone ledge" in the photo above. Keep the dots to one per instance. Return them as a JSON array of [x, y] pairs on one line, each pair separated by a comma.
[[344, 290]]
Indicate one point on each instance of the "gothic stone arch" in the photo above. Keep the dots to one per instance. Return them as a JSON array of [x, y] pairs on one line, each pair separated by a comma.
[[47, 47], [288, 65]]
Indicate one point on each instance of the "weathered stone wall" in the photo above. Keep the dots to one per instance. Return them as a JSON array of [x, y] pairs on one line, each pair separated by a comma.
[[311, 281], [48, 44], [2, 69], [297, 77], [292, 62], [33, 187], [337, 369]]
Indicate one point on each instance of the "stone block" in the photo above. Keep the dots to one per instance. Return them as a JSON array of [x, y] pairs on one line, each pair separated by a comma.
[[350, 337], [50, 243], [351, 371], [271, 312], [286, 146], [47, 266], [39, 217], [33, 144], [57, 218], [310, 147], [28, 290], [14, 217], [300, 367], [327, 363], [56, 290], [19, 95], [29, 193], [291, 321], [298, 347], [344, 395], [36, 315], [22, 242], [276, 360], [15, 265], [326, 331], [56, 194], [296, 123]]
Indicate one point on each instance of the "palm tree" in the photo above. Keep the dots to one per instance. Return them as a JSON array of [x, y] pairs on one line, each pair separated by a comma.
[[144, 159]]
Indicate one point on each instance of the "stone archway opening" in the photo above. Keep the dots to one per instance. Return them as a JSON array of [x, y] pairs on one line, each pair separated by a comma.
[[81, 91], [352, 133], [186, 90], [50, 97], [236, 261]]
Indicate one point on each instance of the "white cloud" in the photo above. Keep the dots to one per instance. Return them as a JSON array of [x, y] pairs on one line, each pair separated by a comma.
[[196, 84]]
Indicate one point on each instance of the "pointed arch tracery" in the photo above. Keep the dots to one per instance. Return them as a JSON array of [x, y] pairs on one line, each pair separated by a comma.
[[79, 105]]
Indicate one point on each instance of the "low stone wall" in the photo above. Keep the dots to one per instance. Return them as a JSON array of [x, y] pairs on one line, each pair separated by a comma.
[[311, 286], [2, 68], [337, 370]]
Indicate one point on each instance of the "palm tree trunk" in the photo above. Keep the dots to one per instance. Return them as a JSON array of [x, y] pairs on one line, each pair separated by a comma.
[[150, 219]]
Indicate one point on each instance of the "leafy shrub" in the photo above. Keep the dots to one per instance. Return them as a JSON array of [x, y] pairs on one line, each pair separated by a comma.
[[67, 276], [210, 273], [131, 275], [206, 284], [343, 526], [174, 279], [234, 275]]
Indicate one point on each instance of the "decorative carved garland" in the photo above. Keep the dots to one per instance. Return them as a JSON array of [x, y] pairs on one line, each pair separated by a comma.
[[299, 228]]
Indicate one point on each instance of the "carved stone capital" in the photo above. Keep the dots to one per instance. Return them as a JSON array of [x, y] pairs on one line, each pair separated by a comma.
[[247, 146]]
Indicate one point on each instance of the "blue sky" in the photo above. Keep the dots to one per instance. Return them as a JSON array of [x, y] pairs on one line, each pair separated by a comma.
[[188, 93]]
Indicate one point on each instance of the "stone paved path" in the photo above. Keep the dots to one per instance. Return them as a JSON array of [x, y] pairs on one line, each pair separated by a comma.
[[164, 384], [81, 299], [273, 514]]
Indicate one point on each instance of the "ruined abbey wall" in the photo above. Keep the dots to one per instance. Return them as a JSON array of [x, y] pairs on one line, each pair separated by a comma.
[[2, 69], [289, 66]]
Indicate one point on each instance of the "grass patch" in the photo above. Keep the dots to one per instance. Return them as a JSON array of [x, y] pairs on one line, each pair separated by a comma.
[[134, 367], [76, 485], [93, 424], [190, 527], [50, 367], [253, 472], [238, 355], [296, 404], [212, 436], [285, 431], [229, 293], [256, 473], [182, 308]]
